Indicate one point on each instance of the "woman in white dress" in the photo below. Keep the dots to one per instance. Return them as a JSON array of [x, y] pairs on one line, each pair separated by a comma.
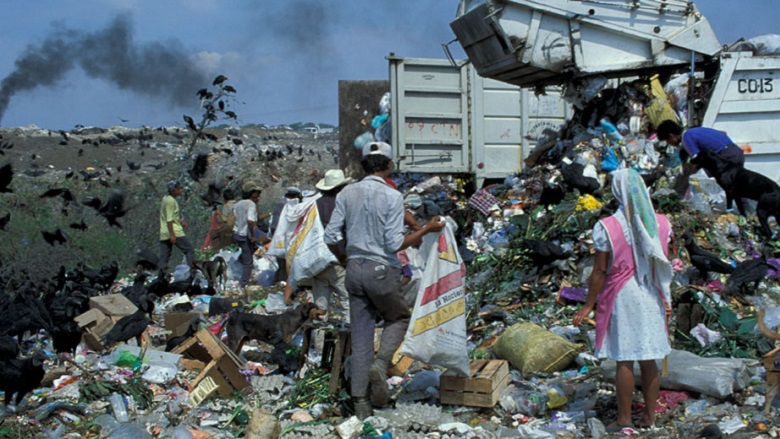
[[629, 289]]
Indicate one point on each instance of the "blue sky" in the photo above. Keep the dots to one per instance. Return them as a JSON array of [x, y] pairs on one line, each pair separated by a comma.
[[285, 58]]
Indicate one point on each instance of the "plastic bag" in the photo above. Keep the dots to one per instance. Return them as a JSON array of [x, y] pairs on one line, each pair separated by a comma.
[[610, 162], [532, 349], [717, 377], [363, 140], [522, 401], [384, 103], [307, 254], [437, 331], [160, 372], [181, 273]]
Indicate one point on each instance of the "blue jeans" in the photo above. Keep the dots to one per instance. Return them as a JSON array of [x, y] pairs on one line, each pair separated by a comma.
[[246, 258]]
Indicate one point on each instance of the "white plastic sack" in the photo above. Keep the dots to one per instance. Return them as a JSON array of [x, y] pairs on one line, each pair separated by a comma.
[[437, 331], [717, 377], [307, 254], [289, 219]]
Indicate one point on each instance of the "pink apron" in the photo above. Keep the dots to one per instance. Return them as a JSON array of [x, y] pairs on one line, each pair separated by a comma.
[[621, 271]]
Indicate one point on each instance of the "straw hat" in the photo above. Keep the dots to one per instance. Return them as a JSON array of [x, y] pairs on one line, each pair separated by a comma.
[[333, 179]]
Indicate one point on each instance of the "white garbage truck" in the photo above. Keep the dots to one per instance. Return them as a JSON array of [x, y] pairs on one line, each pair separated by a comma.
[[538, 43]]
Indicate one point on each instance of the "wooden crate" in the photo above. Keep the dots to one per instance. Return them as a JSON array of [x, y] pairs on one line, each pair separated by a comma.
[[221, 364], [488, 378]]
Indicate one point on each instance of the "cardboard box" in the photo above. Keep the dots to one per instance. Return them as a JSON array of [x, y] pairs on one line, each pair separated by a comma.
[[93, 342], [487, 379], [94, 321], [178, 323], [115, 306]]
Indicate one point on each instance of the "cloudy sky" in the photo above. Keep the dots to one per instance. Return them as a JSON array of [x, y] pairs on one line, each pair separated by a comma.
[[99, 62]]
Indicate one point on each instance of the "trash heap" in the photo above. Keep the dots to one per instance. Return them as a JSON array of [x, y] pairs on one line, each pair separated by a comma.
[[532, 374]]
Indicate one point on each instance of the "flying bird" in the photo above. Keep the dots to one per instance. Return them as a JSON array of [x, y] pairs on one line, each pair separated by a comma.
[[55, 237], [231, 114], [113, 208], [229, 89], [219, 79]]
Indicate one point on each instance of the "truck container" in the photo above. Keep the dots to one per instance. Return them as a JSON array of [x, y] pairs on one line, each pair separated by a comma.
[[447, 119], [558, 42]]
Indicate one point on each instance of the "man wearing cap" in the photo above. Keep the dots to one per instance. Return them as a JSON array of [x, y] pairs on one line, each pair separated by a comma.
[[332, 278], [292, 196], [244, 231], [371, 214], [172, 228]]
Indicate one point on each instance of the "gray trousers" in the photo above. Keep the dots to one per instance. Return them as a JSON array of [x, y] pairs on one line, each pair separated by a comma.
[[247, 259], [374, 290], [183, 244], [330, 284]]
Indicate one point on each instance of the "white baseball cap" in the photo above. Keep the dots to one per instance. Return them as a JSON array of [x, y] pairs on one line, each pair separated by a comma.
[[380, 148]]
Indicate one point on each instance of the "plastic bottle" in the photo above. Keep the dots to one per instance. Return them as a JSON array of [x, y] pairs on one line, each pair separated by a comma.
[[119, 408], [611, 131]]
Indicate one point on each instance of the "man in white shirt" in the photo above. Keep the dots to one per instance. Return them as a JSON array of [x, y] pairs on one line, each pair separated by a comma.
[[244, 231]]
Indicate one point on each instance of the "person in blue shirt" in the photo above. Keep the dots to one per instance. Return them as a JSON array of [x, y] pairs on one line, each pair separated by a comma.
[[693, 140]]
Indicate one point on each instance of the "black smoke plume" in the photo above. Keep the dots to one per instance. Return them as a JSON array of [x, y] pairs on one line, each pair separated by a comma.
[[160, 71]]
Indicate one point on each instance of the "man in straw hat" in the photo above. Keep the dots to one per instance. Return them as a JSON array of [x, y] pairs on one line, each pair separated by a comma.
[[369, 214]]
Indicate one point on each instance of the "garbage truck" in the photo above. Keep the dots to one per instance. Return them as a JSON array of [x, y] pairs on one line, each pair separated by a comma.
[[447, 119], [538, 43]]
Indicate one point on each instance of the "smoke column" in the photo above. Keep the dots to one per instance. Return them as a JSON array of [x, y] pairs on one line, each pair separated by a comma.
[[160, 71]]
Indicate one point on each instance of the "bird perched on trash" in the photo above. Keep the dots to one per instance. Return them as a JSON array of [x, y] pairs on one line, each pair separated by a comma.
[[9, 348], [191, 330], [55, 237], [6, 175], [542, 253], [748, 272], [710, 431], [704, 261], [21, 376], [199, 167], [127, 327]]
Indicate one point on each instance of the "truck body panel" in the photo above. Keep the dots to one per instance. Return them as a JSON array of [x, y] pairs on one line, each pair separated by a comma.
[[532, 42], [447, 119], [536, 42], [745, 103]]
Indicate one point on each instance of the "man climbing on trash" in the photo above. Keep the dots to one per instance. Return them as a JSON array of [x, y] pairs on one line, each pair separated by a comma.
[[696, 139], [372, 213]]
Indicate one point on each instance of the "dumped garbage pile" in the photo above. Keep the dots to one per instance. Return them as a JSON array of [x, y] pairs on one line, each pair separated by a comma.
[[139, 356]]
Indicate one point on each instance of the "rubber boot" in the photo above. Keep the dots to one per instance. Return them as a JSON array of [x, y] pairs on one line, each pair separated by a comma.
[[377, 380], [363, 408]]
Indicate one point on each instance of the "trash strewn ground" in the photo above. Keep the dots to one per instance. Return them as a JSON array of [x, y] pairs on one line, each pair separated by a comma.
[[536, 376]]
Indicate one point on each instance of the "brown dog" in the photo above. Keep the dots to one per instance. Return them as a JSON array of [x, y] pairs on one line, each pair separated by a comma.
[[271, 329], [215, 271]]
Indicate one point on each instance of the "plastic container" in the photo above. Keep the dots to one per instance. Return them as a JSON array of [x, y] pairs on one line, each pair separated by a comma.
[[119, 408]]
